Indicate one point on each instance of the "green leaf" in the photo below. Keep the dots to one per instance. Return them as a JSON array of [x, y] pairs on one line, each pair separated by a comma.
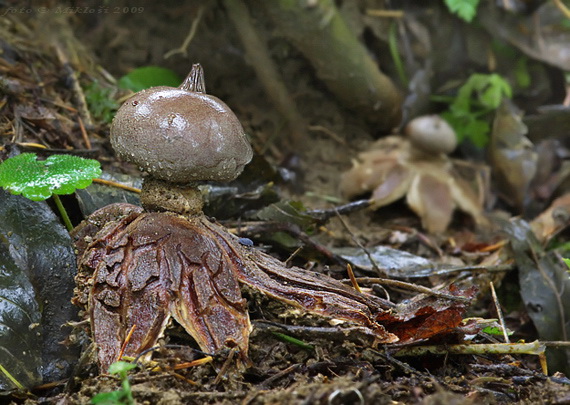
[[119, 367], [566, 261], [465, 9], [108, 398], [289, 339], [468, 113], [286, 211], [100, 101], [149, 76], [522, 73], [38, 180], [496, 331], [37, 267], [494, 90]]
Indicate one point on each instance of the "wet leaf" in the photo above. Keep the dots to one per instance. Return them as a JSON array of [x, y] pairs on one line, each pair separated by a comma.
[[19, 352], [395, 263], [425, 317], [149, 76], [37, 266], [552, 220], [251, 191], [546, 37], [545, 289], [512, 156], [286, 211], [38, 180]]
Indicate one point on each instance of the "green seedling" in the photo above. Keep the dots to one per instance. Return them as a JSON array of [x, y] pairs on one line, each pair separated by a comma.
[[38, 180], [464, 9], [289, 339], [124, 396], [101, 101], [469, 111]]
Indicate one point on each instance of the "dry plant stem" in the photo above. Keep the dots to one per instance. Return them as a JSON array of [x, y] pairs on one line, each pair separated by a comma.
[[291, 369], [265, 69], [360, 245], [82, 108], [499, 312], [183, 49], [118, 185], [534, 348], [339, 58], [84, 135], [409, 287]]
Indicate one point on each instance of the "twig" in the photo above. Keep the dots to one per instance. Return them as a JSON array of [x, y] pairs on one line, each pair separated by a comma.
[[84, 134], [225, 366], [291, 229], [326, 214], [331, 134], [118, 185], [499, 312], [82, 109], [360, 245], [183, 49], [410, 287], [535, 348], [562, 7], [385, 13], [282, 373], [353, 280], [126, 342]]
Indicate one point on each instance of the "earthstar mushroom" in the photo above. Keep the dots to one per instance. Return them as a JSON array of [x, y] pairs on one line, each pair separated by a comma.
[[181, 134], [139, 268]]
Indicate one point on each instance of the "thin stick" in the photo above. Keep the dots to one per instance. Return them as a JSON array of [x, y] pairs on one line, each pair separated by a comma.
[[352, 278], [293, 255], [126, 342], [84, 134], [385, 13], [11, 378], [499, 312], [562, 7], [360, 245], [82, 109], [225, 366], [183, 49], [410, 287], [333, 135], [198, 362], [535, 348], [282, 373], [118, 185]]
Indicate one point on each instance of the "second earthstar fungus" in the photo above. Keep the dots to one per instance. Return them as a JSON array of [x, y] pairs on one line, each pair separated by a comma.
[[138, 268], [417, 166]]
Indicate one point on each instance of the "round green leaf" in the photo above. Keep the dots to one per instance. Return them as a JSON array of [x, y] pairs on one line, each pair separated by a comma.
[[39, 179]]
